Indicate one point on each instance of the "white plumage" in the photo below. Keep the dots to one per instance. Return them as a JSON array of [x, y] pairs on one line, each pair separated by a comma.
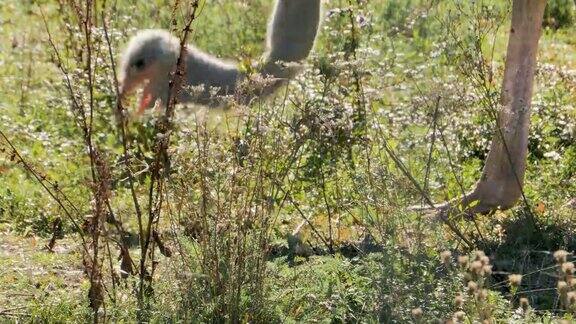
[[151, 56]]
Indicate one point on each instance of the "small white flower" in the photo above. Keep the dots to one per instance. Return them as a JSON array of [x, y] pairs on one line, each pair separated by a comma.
[[553, 155]]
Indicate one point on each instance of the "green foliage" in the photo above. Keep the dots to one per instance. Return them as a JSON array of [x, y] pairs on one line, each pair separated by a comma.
[[559, 14], [410, 81]]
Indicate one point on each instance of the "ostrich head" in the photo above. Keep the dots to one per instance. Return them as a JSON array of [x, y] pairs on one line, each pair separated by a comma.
[[148, 60]]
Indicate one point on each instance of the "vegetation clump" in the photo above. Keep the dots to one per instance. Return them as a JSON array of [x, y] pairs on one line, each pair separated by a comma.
[[315, 204]]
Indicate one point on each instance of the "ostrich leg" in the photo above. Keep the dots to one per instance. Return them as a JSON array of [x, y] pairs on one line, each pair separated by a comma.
[[500, 185]]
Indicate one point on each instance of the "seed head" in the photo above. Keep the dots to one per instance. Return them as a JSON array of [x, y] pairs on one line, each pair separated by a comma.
[[417, 312], [485, 260], [560, 256], [524, 303], [571, 297], [482, 294], [463, 261], [476, 267], [459, 316], [487, 269], [472, 287], [568, 268], [459, 300], [479, 254], [446, 257], [562, 286], [515, 280]]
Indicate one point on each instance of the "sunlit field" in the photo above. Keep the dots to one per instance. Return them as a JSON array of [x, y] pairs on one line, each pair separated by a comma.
[[312, 205]]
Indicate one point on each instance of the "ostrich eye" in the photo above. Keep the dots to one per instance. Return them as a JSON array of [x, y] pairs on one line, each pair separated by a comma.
[[139, 64]]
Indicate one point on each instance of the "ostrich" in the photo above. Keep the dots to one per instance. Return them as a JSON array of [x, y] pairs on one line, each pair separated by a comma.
[[150, 58], [501, 183]]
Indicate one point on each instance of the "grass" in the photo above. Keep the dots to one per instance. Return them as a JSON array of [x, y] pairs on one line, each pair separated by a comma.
[[242, 179], [36, 284]]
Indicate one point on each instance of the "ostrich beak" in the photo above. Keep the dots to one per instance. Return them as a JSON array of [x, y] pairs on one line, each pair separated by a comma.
[[146, 100]]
